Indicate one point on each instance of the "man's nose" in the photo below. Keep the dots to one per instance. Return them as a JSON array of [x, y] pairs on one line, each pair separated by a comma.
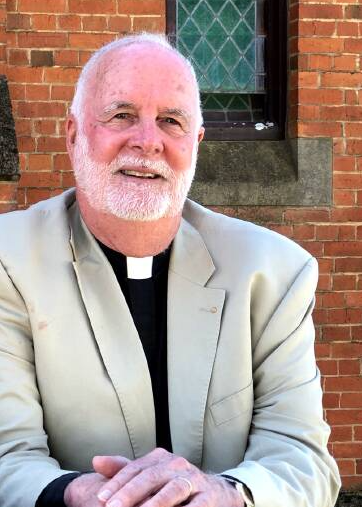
[[147, 138]]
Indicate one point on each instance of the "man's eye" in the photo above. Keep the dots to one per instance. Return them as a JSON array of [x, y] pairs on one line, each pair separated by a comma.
[[171, 121], [122, 116]]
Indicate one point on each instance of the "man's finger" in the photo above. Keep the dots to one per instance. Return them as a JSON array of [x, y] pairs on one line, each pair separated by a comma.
[[109, 465]]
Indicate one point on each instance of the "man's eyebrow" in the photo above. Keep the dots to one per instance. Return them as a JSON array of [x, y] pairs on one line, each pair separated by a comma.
[[117, 105], [181, 113]]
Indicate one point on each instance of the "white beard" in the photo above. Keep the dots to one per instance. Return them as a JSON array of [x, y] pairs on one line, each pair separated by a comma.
[[105, 190]]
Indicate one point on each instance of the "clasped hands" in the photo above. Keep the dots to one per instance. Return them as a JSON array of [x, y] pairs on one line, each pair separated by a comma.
[[158, 479]]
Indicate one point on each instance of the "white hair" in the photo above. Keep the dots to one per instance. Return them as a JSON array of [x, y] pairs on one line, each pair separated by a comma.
[[77, 106]]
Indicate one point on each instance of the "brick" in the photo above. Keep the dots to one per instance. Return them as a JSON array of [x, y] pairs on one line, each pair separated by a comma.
[[324, 283], [68, 180], [306, 215], [354, 316], [346, 466], [347, 164], [330, 400], [337, 316], [313, 247], [327, 232], [322, 349], [333, 300], [45, 127], [22, 127], [349, 265], [84, 57], [136, 7], [62, 92], [43, 22], [42, 40], [341, 434], [24, 74], [40, 162], [343, 416], [155, 24], [37, 92], [349, 367], [349, 400], [17, 22], [93, 6], [120, 24], [69, 22], [37, 6], [95, 23], [307, 112], [347, 232], [353, 11], [88, 40], [345, 62], [66, 58], [357, 432], [325, 265], [341, 79], [320, 62], [307, 79], [61, 75], [353, 45], [344, 384], [350, 450], [51, 144], [328, 367], [343, 248], [321, 96], [353, 129], [62, 162], [18, 57], [7, 191], [351, 96], [354, 147], [315, 28], [41, 58], [41, 109], [336, 333], [347, 180], [346, 28], [304, 232], [346, 350], [26, 144], [40, 179], [316, 129], [17, 91], [344, 282], [344, 197], [321, 45], [354, 299], [319, 316]]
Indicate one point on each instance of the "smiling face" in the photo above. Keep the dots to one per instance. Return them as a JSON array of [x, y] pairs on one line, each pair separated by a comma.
[[135, 153]]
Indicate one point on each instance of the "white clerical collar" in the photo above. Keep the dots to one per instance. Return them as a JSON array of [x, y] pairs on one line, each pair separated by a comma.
[[139, 268]]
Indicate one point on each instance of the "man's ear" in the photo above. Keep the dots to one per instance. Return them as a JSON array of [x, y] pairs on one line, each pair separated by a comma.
[[71, 133], [201, 134]]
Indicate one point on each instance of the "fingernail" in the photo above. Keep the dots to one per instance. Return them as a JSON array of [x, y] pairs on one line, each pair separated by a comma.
[[114, 503], [105, 495]]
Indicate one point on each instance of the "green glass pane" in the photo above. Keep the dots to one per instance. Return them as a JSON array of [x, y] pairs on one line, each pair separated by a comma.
[[188, 4], [216, 5], [189, 35], [203, 54], [242, 36], [250, 17], [229, 55], [249, 55], [229, 85], [229, 17], [216, 73], [203, 83], [216, 35], [224, 99], [242, 5], [238, 104], [182, 16], [242, 74], [210, 103], [203, 16]]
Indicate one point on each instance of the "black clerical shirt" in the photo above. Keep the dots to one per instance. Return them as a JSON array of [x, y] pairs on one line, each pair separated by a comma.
[[147, 302]]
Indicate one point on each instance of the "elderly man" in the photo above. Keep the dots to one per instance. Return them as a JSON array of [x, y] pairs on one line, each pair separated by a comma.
[[153, 353]]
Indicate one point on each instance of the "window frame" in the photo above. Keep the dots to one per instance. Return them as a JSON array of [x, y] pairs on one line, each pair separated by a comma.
[[276, 78]]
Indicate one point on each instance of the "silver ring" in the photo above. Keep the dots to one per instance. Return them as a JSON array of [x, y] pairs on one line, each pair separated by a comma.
[[187, 482]]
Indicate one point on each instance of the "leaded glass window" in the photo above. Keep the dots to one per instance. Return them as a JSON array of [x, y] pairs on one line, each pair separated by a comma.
[[231, 44]]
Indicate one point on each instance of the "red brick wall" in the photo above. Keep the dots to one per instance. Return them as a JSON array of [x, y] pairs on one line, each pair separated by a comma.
[[325, 99]]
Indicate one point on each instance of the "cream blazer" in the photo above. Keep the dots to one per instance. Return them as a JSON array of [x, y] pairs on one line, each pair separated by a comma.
[[244, 391]]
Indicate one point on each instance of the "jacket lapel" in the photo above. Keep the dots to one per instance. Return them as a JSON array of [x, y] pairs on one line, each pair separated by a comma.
[[194, 315], [116, 335]]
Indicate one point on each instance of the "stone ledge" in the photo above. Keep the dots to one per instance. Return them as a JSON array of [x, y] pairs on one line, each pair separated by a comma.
[[349, 499], [9, 156], [295, 172]]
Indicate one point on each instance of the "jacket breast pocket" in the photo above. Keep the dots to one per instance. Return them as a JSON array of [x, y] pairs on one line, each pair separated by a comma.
[[233, 405]]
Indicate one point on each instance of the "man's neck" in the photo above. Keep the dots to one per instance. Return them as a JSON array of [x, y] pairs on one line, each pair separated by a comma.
[[133, 238]]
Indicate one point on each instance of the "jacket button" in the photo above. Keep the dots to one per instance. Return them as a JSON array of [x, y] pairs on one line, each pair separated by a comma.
[[213, 309]]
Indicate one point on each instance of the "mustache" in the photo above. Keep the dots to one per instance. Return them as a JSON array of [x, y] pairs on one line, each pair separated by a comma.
[[160, 167]]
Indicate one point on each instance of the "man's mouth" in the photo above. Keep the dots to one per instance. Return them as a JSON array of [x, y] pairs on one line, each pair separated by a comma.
[[139, 174]]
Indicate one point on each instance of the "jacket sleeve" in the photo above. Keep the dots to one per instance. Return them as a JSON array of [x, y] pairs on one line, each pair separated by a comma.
[[25, 465], [286, 460]]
